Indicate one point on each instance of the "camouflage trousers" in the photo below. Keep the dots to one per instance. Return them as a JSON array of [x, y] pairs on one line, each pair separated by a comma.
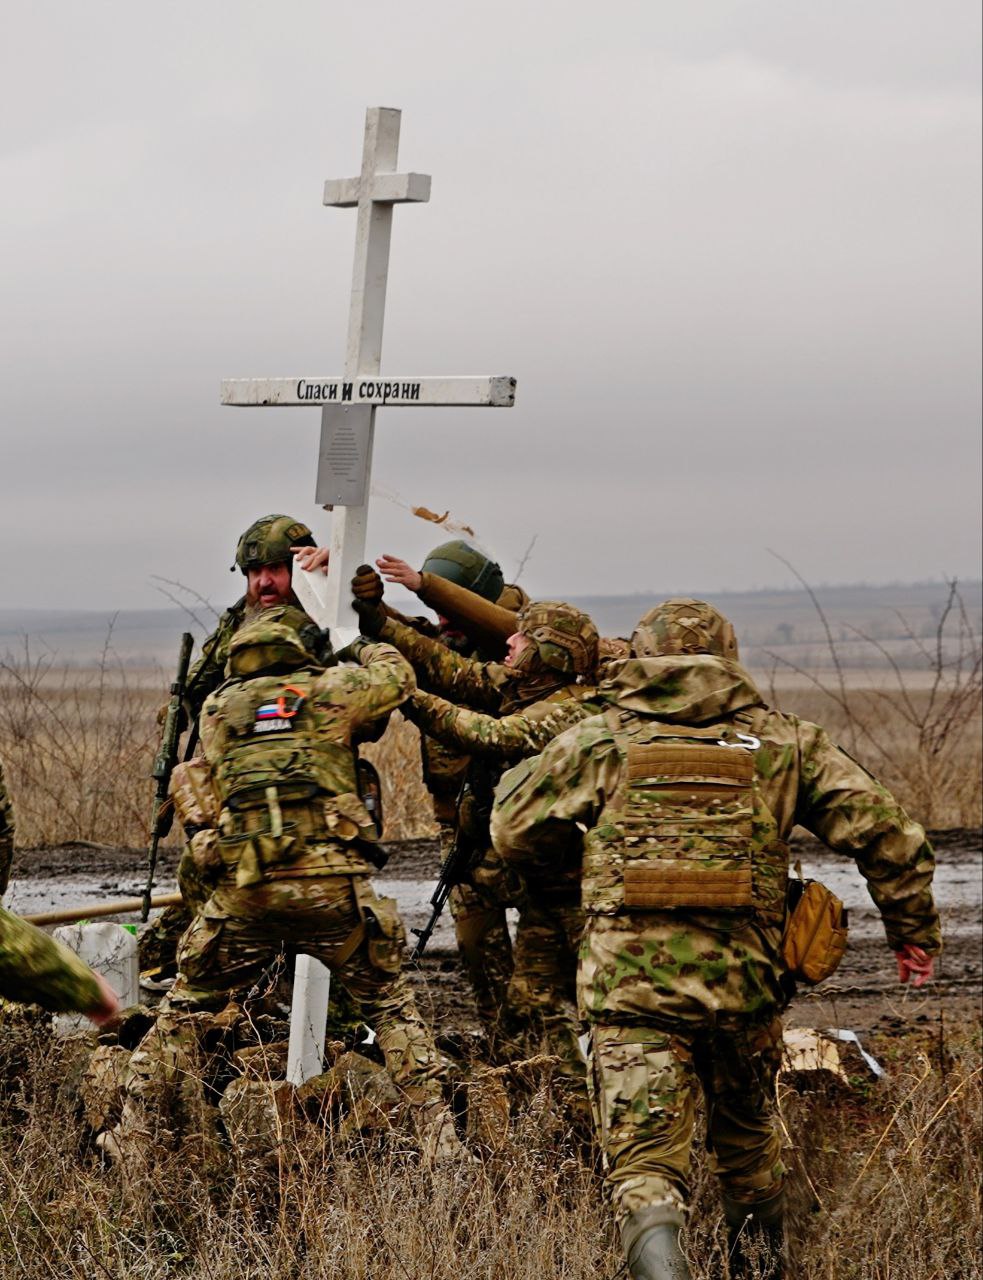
[[483, 943], [542, 995], [643, 1083], [230, 942]]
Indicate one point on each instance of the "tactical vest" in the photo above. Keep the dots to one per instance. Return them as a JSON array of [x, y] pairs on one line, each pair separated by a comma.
[[286, 777], [688, 829]]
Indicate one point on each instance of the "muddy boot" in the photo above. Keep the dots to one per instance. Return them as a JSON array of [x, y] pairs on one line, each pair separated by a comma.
[[757, 1238], [651, 1240]]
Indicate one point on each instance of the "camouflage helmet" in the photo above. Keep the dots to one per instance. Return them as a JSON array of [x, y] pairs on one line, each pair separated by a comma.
[[682, 625], [269, 539], [465, 565], [266, 643], [565, 638]]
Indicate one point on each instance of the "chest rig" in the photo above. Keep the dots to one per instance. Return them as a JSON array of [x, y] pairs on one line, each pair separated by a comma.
[[286, 776], [688, 830]]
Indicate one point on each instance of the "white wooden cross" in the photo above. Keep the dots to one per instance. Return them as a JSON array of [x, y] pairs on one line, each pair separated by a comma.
[[348, 406]]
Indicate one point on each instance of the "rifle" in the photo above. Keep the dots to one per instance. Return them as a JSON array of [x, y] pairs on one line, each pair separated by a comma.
[[473, 811], [164, 763]]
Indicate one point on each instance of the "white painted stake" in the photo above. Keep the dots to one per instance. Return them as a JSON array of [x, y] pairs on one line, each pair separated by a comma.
[[308, 1016], [348, 407]]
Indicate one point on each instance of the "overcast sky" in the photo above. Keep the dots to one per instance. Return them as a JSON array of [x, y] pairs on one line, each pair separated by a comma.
[[729, 250]]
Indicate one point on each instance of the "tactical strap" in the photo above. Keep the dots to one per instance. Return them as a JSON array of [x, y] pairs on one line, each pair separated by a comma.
[[350, 945], [707, 764], [660, 886]]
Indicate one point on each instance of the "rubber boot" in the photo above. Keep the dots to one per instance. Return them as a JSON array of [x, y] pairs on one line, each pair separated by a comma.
[[757, 1238], [651, 1240]]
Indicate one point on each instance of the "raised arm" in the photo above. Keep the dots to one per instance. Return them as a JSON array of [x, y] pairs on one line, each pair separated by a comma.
[[384, 682], [544, 805], [504, 738], [848, 809]]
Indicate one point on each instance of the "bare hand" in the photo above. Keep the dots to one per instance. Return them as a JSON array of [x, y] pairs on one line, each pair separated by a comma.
[[311, 558], [108, 1007], [395, 570], [914, 964]]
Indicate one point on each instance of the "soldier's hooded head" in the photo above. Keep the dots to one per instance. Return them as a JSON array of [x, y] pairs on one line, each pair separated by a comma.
[[562, 639], [684, 626], [265, 556], [274, 643]]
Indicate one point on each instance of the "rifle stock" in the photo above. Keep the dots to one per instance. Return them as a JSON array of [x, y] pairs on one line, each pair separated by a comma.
[[164, 763]]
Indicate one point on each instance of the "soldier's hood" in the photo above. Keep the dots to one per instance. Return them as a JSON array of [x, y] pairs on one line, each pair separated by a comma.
[[688, 688]]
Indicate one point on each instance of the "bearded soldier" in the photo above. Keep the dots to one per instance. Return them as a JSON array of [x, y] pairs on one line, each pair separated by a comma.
[[295, 847], [551, 657], [265, 556], [453, 577], [687, 787]]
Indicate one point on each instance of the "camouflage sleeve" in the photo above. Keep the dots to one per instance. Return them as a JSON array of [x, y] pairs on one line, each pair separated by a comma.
[[35, 969], [384, 681], [847, 808], [507, 738], [476, 684], [6, 835], [543, 805], [208, 672]]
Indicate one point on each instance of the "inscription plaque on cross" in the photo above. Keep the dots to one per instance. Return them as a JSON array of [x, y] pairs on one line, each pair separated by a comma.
[[348, 407]]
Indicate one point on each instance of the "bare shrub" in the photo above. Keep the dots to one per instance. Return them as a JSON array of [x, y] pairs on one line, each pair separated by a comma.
[[406, 801], [921, 736], [77, 746]]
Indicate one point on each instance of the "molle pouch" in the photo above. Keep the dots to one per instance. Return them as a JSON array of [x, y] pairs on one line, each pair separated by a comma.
[[385, 935], [192, 789], [815, 931], [348, 820], [688, 826]]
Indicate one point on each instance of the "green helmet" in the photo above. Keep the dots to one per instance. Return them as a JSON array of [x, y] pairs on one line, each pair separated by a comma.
[[682, 625], [565, 639], [267, 643], [461, 563], [269, 539]]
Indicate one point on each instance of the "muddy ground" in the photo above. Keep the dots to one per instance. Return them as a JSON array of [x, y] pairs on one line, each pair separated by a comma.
[[863, 995]]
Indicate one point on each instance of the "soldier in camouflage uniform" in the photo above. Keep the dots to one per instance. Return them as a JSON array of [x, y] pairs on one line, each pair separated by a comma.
[[551, 656], [296, 848], [479, 923], [6, 835], [35, 969], [541, 995], [688, 786], [265, 555]]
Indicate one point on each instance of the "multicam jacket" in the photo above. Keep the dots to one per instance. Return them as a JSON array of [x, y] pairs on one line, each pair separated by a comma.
[[280, 750], [35, 969], [502, 738], [655, 949]]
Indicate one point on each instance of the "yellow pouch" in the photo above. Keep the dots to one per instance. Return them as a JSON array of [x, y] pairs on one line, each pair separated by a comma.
[[815, 932]]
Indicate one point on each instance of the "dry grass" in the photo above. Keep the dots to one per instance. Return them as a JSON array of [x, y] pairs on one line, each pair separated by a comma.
[[884, 1187], [78, 744]]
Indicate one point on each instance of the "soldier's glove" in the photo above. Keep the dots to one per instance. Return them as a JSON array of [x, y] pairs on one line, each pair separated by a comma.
[[353, 652], [367, 585]]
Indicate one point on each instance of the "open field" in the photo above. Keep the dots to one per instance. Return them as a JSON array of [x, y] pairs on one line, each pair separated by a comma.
[[885, 1173]]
